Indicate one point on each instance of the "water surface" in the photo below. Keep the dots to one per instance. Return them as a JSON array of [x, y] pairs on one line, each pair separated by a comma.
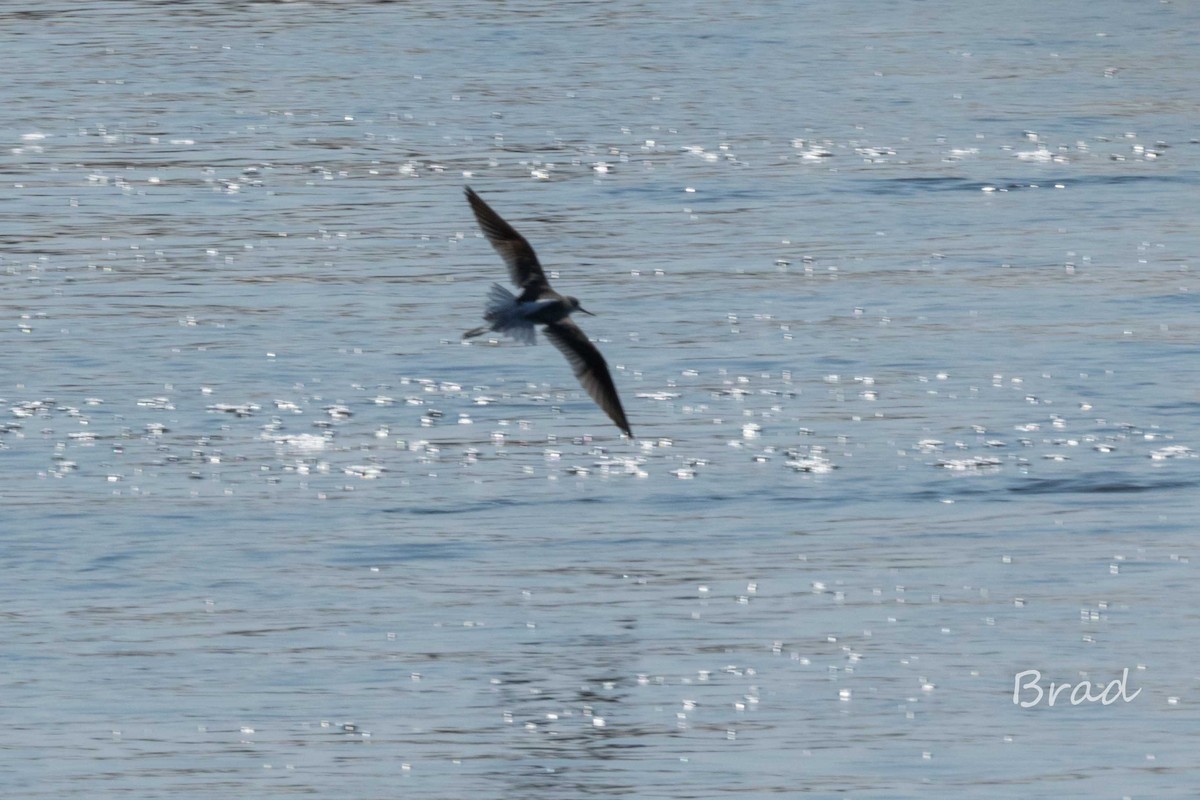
[[901, 304]]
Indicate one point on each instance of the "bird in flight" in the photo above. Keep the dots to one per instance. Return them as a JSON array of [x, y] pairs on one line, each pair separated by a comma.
[[538, 304]]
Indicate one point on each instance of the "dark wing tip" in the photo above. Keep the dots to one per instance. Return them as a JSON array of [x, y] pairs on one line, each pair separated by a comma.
[[523, 268], [624, 426], [591, 369], [617, 415]]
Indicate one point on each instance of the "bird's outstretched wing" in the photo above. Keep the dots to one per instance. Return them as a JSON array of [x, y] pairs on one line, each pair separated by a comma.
[[590, 368], [524, 269]]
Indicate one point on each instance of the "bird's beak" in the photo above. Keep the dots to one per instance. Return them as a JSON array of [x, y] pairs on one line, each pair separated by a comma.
[[584, 310]]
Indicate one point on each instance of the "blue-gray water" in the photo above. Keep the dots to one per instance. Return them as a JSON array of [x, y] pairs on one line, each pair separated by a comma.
[[901, 299]]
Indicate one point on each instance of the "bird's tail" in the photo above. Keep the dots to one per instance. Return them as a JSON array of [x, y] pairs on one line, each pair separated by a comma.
[[501, 302], [502, 314]]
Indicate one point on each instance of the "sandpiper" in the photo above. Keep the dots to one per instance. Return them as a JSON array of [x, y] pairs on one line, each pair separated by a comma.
[[538, 304]]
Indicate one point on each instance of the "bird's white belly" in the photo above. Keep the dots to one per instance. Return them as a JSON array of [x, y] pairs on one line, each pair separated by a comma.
[[532, 309], [513, 318]]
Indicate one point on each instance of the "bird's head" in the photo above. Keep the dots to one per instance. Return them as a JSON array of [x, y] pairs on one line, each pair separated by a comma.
[[575, 306]]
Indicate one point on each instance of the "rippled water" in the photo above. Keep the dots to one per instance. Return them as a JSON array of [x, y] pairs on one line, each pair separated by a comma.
[[901, 302]]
